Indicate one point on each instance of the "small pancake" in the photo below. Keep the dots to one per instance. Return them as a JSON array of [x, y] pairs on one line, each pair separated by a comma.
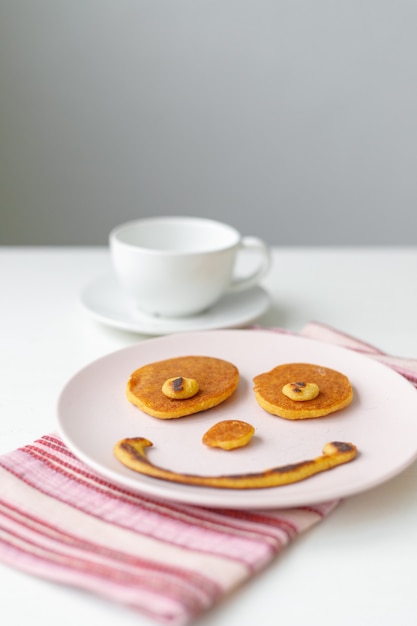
[[217, 380], [229, 434], [335, 391]]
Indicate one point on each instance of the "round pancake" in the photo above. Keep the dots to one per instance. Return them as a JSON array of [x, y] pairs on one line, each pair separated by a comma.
[[335, 391], [217, 380]]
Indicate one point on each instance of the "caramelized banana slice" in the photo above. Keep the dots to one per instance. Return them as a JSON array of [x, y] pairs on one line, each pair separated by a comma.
[[180, 388], [300, 392], [132, 453], [229, 434]]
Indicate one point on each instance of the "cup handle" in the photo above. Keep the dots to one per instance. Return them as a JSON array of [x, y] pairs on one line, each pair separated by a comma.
[[265, 260]]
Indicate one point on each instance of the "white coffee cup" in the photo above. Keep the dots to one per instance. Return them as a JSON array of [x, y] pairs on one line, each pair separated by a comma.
[[180, 266]]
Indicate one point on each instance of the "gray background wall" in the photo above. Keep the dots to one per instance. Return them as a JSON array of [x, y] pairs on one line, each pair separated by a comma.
[[293, 119]]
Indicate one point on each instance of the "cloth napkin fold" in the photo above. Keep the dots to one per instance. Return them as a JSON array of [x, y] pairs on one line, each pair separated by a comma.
[[61, 521]]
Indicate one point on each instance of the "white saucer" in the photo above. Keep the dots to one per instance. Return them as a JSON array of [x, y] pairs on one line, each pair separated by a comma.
[[106, 302]]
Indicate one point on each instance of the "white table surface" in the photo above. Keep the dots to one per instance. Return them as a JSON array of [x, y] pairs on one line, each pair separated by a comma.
[[358, 565]]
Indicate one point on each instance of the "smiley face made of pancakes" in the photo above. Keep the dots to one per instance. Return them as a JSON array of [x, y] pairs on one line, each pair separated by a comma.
[[212, 381]]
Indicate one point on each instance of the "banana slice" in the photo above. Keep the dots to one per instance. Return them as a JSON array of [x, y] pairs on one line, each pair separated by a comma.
[[180, 388], [301, 391]]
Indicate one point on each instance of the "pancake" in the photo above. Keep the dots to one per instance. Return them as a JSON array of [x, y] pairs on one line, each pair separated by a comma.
[[229, 434], [217, 380], [335, 391], [132, 453]]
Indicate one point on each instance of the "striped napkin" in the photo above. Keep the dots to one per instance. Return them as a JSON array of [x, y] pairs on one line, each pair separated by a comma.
[[61, 521]]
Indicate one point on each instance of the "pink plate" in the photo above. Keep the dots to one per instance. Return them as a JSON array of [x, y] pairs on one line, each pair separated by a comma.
[[93, 414]]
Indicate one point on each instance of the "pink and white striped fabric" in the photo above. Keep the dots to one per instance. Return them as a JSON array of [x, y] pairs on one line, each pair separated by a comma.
[[61, 521]]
